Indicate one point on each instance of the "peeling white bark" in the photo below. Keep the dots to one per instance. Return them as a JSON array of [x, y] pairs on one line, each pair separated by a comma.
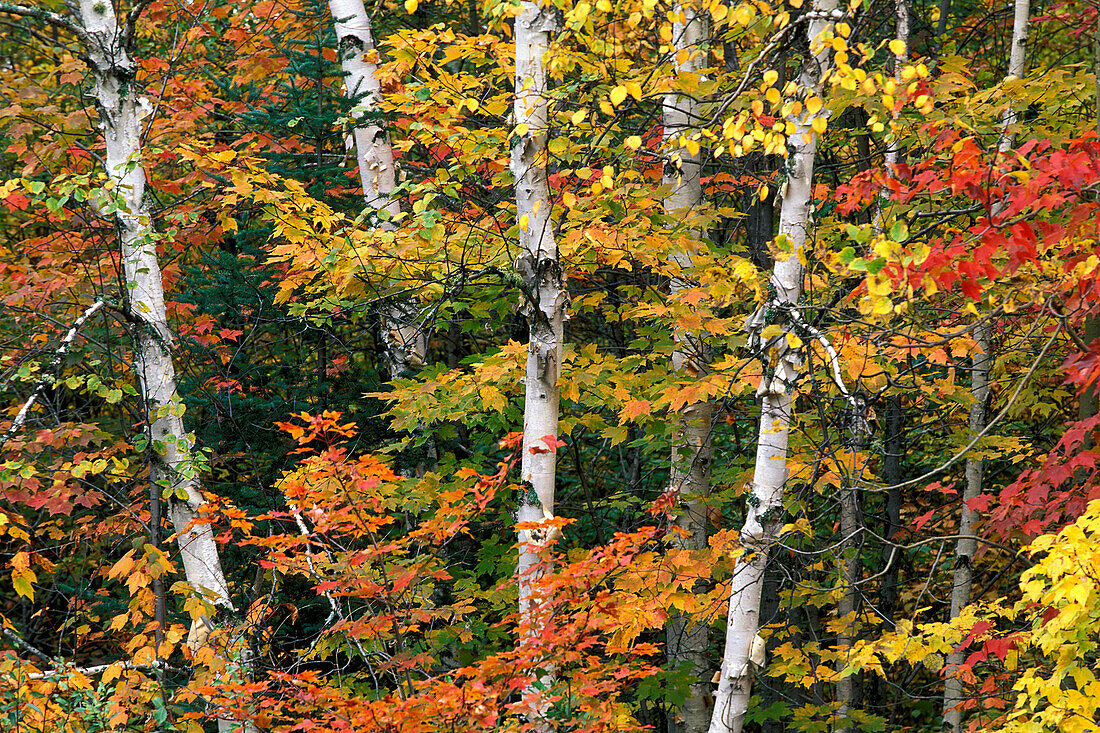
[[1017, 67], [538, 267], [765, 511], [689, 472], [968, 543], [121, 115], [372, 144], [405, 339]]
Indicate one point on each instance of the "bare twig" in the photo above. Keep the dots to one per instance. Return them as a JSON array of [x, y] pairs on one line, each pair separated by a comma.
[[47, 377]]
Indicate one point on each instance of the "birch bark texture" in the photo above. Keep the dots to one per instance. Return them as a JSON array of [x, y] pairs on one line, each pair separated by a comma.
[[765, 511], [546, 299], [173, 472], [979, 392], [406, 341], [689, 471], [121, 113], [377, 170], [1017, 67], [967, 544]]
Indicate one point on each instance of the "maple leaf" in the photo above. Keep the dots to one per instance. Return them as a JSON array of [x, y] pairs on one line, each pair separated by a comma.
[[633, 410]]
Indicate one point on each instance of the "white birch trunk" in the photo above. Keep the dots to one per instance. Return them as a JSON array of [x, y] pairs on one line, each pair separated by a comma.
[[901, 8], [689, 472], [372, 144], [405, 340], [968, 543], [1017, 67], [765, 511], [538, 267], [121, 114], [979, 390]]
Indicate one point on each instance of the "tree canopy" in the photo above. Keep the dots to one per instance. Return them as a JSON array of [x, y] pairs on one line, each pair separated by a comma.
[[549, 365]]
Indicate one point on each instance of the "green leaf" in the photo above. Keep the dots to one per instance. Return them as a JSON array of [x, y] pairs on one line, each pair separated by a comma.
[[23, 586]]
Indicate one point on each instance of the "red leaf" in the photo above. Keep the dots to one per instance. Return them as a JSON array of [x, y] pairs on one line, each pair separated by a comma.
[[923, 519], [230, 334], [979, 503]]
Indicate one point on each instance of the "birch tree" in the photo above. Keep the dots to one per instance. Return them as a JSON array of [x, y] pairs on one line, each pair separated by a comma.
[[765, 511], [689, 473], [173, 473], [121, 114], [541, 275], [405, 340], [981, 362]]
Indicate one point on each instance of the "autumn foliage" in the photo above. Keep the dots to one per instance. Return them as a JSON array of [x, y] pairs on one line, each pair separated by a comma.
[[365, 521]]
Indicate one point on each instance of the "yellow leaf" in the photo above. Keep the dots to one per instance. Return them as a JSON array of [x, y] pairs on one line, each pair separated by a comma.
[[111, 673], [897, 47], [771, 331], [472, 104], [771, 76], [633, 142], [578, 116], [819, 125], [813, 105], [603, 6], [223, 156], [635, 89], [410, 6], [523, 222], [618, 94], [521, 129]]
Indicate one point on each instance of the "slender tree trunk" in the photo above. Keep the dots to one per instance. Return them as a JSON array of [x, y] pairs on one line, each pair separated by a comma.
[[765, 511], [760, 214], [894, 448], [689, 473], [968, 544], [377, 170], [941, 24], [541, 274], [1090, 400], [1017, 67], [901, 8], [979, 391], [121, 115], [172, 468], [404, 339], [851, 521]]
